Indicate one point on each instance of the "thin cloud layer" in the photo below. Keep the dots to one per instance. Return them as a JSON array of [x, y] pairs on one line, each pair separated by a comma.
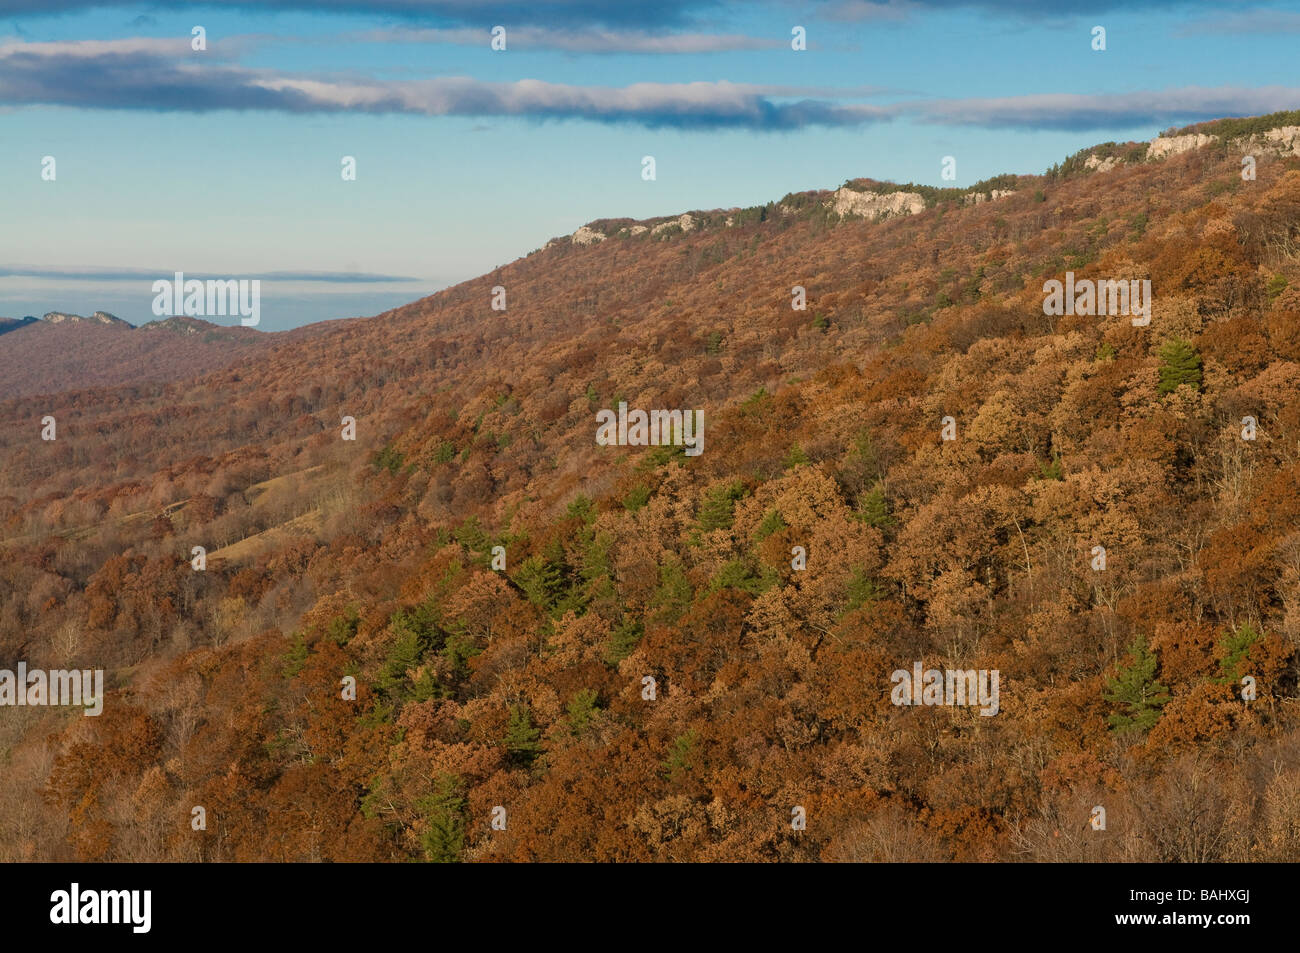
[[138, 274], [1246, 23], [124, 75], [1080, 112], [582, 41], [163, 75], [878, 10]]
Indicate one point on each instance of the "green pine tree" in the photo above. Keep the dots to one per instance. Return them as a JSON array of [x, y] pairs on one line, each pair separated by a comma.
[[796, 458], [343, 627], [716, 512], [445, 837], [417, 633], [1051, 470], [681, 755], [636, 498], [582, 709], [773, 522], [745, 574], [470, 535], [674, 592], [874, 508], [1179, 364], [582, 508], [1236, 651], [623, 641], [1135, 689], [521, 737], [862, 590], [296, 658], [541, 580]]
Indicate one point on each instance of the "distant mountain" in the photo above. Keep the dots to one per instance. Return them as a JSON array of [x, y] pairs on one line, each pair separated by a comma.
[[13, 324], [62, 351]]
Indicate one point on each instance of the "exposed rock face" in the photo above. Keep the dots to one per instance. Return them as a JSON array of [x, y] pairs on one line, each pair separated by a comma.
[[1287, 138], [875, 205], [587, 236], [99, 317], [1162, 147], [638, 229], [978, 198], [1098, 164], [687, 222]]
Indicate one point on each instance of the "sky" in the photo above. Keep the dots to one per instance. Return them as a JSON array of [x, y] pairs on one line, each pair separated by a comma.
[[226, 162]]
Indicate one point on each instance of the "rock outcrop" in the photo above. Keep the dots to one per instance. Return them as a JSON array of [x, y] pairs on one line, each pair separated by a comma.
[[875, 205], [1162, 147], [586, 236], [687, 223]]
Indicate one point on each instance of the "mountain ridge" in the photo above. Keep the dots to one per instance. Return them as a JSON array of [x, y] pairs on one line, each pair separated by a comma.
[[1277, 133]]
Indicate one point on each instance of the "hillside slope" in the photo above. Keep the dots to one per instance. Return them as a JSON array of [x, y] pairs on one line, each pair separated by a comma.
[[526, 687], [68, 352]]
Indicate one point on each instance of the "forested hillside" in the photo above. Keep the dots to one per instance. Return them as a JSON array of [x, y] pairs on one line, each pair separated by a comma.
[[525, 687], [45, 357]]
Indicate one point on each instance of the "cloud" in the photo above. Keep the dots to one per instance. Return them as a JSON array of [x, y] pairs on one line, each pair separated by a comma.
[[1264, 22], [135, 74], [661, 14], [582, 41], [886, 10], [1077, 112], [163, 75], [145, 275], [855, 11]]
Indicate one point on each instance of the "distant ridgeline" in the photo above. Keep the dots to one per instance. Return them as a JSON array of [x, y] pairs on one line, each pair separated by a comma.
[[864, 198]]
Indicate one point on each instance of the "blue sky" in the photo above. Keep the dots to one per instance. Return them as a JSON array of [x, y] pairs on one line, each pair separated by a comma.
[[226, 162]]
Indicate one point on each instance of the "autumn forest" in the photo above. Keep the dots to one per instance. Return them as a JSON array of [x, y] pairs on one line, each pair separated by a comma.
[[475, 633]]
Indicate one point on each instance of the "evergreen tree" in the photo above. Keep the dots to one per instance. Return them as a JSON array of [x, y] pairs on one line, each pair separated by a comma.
[[623, 641], [1179, 364], [1236, 650], [581, 710], [1051, 470], [541, 580], [862, 590], [521, 737], [674, 593], [343, 627], [470, 535], [796, 458], [636, 498], [417, 633], [445, 837], [582, 508], [716, 512], [874, 508], [745, 574], [681, 755], [773, 522], [296, 658], [1136, 690]]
